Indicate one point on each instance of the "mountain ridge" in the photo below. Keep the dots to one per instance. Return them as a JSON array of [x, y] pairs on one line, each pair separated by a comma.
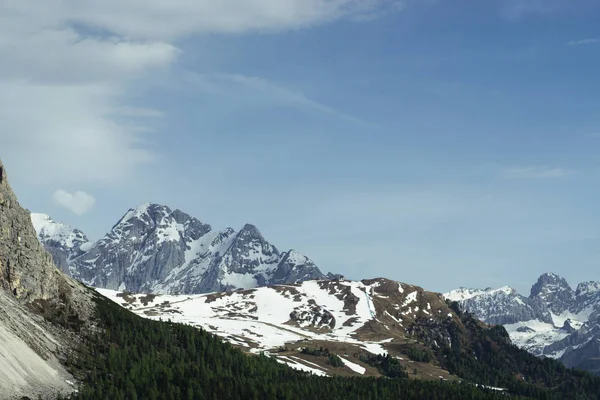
[[57, 326], [553, 321], [153, 248]]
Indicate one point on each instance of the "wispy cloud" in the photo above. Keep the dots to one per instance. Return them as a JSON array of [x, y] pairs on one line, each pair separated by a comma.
[[584, 41], [66, 91], [539, 172], [277, 92]]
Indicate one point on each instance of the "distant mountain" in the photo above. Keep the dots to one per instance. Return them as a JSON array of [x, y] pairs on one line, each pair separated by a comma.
[[554, 321], [500, 306], [153, 248], [63, 242]]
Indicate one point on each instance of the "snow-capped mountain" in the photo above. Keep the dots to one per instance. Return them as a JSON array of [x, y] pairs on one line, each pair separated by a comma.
[[500, 306], [554, 321], [63, 242], [376, 316], [155, 249]]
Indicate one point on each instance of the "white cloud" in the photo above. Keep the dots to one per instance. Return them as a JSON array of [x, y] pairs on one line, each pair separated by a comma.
[[166, 20], [584, 41], [78, 203], [69, 66], [542, 172]]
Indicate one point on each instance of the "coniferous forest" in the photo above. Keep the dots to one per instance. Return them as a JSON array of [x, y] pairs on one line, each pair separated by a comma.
[[134, 358]]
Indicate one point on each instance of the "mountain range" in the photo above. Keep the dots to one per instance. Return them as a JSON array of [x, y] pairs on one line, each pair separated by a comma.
[[155, 249], [58, 335], [553, 321]]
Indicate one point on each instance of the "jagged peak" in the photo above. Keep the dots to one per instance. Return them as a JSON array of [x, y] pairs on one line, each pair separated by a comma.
[[549, 282], [296, 257], [44, 221], [551, 277], [49, 229], [143, 209], [249, 229]]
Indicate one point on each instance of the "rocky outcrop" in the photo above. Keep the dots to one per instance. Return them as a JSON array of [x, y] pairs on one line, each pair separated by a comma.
[[26, 269], [41, 309]]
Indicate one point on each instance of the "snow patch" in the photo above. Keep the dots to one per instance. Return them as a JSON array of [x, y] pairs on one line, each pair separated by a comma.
[[354, 367]]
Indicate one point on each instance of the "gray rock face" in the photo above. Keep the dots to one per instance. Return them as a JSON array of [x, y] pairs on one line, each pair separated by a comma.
[[295, 267], [503, 308], [31, 347], [583, 348], [140, 250], [155, 249], [554, 321], [554, 291], [26, 269], [500, 306]]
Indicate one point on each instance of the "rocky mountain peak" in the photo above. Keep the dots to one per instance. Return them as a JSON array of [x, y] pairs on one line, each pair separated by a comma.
[[249, 230], [63, 242], [142, 211], [554, 291], [153, 248], [250, 243]]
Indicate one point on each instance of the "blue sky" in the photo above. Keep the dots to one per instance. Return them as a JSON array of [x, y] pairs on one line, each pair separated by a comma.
[[441, 143]]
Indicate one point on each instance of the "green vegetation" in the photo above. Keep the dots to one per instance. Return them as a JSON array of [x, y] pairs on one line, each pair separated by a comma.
[[419, 354], [335, 361], [320, 352], [387, 365], [133, 358], [332, 359]]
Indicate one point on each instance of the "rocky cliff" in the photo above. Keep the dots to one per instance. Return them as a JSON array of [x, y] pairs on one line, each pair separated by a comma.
[[39, 308]]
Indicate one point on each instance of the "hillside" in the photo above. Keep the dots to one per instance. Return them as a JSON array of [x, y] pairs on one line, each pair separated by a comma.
[[365, 323], [140, 359]]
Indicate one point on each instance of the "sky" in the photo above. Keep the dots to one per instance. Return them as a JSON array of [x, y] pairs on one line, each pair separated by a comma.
[[442, 143]]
